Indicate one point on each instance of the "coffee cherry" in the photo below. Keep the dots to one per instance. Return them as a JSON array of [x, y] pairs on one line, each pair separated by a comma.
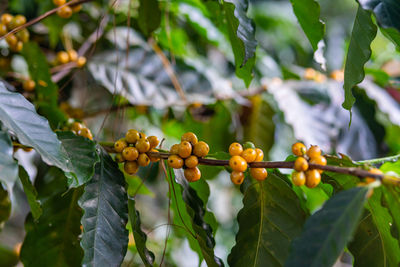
[[153, 141], [76, 8], [314, 151], [143, 145], [131, 167], [132, 136], [301, 164], [64, 12], [85, 132], [299, 149], [185, 149], [174, 161], [81, 62], [119, 158], [192, 174], [298, 178], [154, 159], [235, 149], [3, 29], [260, 174], [260, 155], [72, 55], [76, 126], [17, 47], [6, 18], [62, 57], [29, 85], [309, 74], [174, 149], [59, 2], [189, 137], [237, 177], [191, 161], [237, 163], [12, 40], [320, 160], [120, 145], [143, 160], [368, 179], [313, 178], [249, 155], [249, 145], [142, 136], [17, 21], [130, 153], [201, 149], [23, 35]]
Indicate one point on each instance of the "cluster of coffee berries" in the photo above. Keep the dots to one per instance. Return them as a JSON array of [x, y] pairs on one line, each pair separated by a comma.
[[72, 112], [186, 155], [81, 130], [64, 57], [302, 174], [133, 150], [240, 156], [9, 22], [66, 11]]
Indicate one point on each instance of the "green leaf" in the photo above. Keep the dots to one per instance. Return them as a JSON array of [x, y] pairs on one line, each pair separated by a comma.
[[139, 236], [5, 206], [8, 166], [105, 205], [82, 157], [386, 12], [393, 35], [19, 116], [269, 220], [31, 193], [307, 13], [54, 239], [327, 231], [8, 257], [241, 32], [392, 202], [364, 32], [149, 16]]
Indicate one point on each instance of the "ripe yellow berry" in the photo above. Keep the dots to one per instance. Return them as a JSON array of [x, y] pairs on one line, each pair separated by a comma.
[[249, 155], [368, 179], [192, 174], [260, 155], [299, 149], [191, 161], [337, 75], [313, 178], [189, 137], [131, 167], [314, 151], [298, 178], [29, 85], [201, 149], [142, 136], [143, 160], [235, 149], [320, 160], [85, 132], [59, 2], [81, 62], [17, 21], [76, 126], [3, 29], [130, 153], [174, 149], [153, 141], [76, 8], [6, 18], [143, 145], [260, 174], [12, 40], [23, 35], [185, 149], [237, 163], [18, 47], [119, 158], [301, 164], [64, 12], [309, 74], [120, 145], [154, 159], [132, 136], [72, 55], [174, 161], [237, 177], [62, 57]]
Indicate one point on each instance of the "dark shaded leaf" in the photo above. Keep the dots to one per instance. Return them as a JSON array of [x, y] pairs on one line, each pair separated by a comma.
[[387, 12], [327, 231], [31, 193], [5, 206], [139, 236], [392, 202], [8, 166], [8, 257], [269, 220], [364, 32], [149, 16], [105, 205], [307, 13], [393, 35]]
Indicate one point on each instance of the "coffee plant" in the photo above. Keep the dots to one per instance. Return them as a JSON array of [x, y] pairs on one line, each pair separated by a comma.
[[199, 133]]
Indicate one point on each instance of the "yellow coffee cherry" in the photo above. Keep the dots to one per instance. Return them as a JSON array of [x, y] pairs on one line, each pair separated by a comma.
[[174, 161], [337, 75], [192, 174], [119, 158], [298, 178], [301, 164], [235, 149], [314, 151], [313, 178], [131, 167], [185, 149], [191, 161], [260, 155], [237, 177], [249, 155], [154, 159], [23, 35], [299, 149], [76, 8], [320, 160], [369, 179], [12, 40], [260, 174], [201, 149], [132, 136], [237, 163], [6, 18], [62, 57], [174, 150], [130, 153], [154, 141], [85, 132], [76, 126], [72, 55], [309, 74], [143, 145], [59, 2], [120, 145], [64, 12], [3, 29], [18, 47], [29, 85], [17, 21], [142, 136], [189, 137], [81, 62], [143, 160]]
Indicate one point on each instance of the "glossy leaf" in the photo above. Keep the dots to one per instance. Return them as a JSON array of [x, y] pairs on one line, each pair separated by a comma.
[[307, 13], [270, 219], [392, 202], [149, 16], [386, 12], [139, 236], [82, 157], [53, 240], [105, 205], [31, 194], [8, 166], [5, 206], [364, 32], [327, 231]]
